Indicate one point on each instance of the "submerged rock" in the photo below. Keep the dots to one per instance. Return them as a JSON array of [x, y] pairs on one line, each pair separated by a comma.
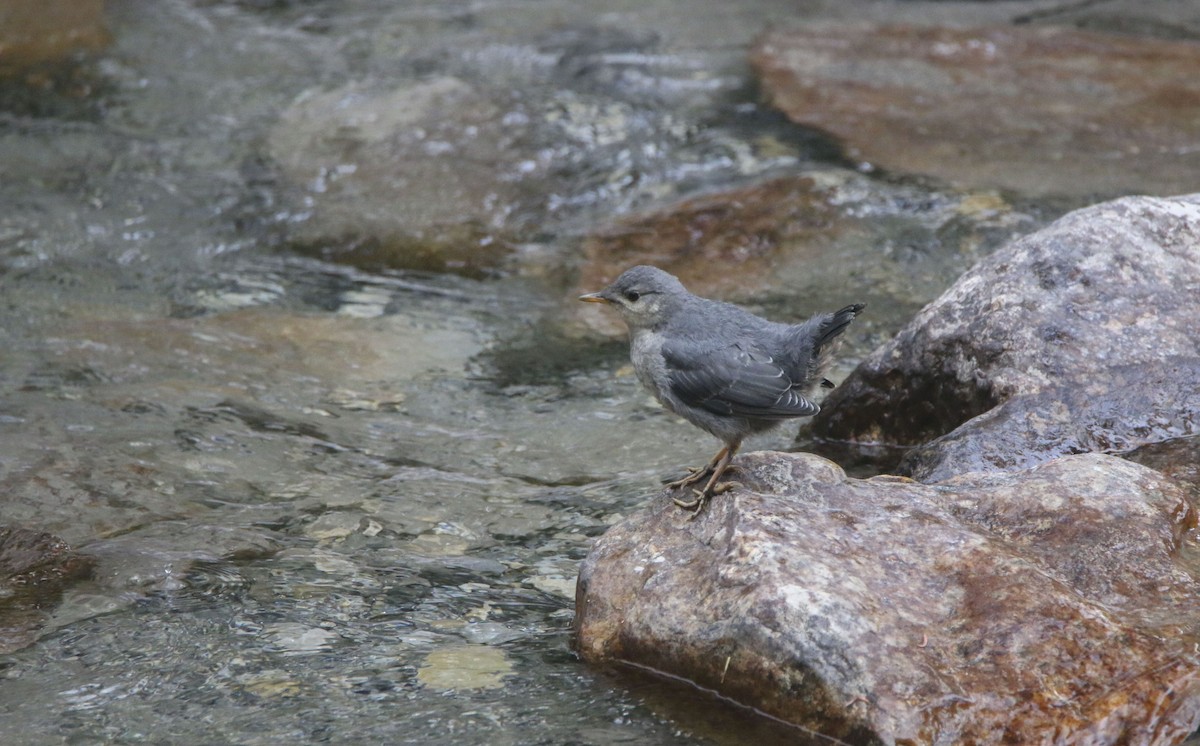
[[1049, 605], [1042, 110], [1080, 337], [742, 229], [35, 569], [798, 236], [33, 31], [423, 176], [725, 244]]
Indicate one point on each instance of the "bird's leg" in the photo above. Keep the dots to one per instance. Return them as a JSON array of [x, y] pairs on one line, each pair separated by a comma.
[[714, 486], [698, 473]]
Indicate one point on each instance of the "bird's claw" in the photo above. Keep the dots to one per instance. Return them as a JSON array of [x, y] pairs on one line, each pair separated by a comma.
[[690, 504], [696, 505], [713, 471], [695, 474]]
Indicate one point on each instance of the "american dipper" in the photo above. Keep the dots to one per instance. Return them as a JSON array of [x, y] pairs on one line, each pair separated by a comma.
[[718, 366]]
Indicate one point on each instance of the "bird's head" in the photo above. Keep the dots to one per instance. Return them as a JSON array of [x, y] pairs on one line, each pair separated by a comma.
[[645, 296]]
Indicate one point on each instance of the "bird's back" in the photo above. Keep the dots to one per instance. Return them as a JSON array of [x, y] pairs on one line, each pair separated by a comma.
[[711, 325], [706, 323], [722, 360]]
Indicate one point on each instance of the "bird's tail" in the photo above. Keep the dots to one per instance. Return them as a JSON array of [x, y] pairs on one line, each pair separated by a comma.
[[835, 324], [824, 330]]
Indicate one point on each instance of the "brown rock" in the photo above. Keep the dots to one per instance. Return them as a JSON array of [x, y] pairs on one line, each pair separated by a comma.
[[799, 237], [728, 244], [1043, 110], [738, 233], [33, 31], [35, 569], [1085, 332], [1043, 606]]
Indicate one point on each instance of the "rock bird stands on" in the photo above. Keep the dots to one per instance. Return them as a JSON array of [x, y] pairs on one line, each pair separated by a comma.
[[719, 367]]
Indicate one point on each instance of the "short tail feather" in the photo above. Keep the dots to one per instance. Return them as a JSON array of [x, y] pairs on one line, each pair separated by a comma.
[[829, 330], [837, 324]]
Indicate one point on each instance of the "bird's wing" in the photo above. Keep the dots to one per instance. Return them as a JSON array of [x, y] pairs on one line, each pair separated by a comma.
[[737, 380]]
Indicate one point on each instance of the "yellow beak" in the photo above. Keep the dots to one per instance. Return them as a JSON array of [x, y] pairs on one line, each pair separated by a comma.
[[594, 298]]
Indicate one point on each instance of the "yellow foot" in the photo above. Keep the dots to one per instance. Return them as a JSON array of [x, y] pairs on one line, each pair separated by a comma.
[[695, 474], [704, 472], [701, 497]]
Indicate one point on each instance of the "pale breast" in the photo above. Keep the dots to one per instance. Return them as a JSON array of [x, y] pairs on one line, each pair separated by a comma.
[[645, 352]]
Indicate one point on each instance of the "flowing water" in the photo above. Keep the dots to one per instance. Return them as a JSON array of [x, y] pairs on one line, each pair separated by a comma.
[[339, 501]]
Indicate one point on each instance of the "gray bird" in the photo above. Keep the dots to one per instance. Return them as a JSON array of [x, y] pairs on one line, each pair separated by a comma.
[[718, 366]]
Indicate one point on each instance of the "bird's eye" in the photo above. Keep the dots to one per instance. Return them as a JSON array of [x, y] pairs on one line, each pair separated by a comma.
[[632, 295]]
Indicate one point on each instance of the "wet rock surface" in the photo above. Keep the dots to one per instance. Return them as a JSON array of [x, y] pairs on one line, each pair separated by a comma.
[[423, 176], [725, 243], [1127, 407], [800, 236], [524, 129], [1080, 337], [34, 31], [1041, 109], [35, 569], [1178, 458], [1049, 604], [1162, 20]]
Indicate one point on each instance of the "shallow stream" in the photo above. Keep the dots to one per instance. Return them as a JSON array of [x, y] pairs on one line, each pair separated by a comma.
[[336, 501]]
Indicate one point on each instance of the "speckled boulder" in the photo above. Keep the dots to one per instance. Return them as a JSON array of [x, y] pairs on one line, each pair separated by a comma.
[[1084, 336], [1044, 606]]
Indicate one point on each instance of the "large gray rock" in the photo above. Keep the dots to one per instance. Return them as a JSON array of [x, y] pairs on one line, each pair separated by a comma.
[[1046, 606], [1084, 336]]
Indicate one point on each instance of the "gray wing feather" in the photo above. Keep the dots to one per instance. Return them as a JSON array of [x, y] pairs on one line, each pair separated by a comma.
[[736, 380]]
